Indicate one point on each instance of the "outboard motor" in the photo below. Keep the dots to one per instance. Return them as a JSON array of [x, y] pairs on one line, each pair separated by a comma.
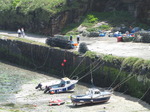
[[47, 89], [39, 86]]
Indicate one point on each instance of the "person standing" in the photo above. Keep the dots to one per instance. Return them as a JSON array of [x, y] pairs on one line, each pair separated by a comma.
[[70, 37], [22, 32], [78, 39], [19, 33]]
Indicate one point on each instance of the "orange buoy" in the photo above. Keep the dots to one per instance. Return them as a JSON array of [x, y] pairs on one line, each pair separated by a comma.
[[52, 92]]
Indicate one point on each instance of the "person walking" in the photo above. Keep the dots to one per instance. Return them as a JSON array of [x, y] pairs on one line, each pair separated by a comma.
[[78, 39], [19, 33], [22, 32]]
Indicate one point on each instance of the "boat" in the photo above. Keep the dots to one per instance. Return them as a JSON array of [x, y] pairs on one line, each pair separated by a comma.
[[65, 85], [93, 95]]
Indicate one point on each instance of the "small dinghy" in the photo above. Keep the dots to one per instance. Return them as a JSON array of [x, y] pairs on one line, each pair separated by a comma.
[[56, 102], [93, 95], [65, 85]]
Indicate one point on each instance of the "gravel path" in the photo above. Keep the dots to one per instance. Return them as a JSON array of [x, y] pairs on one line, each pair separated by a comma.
[[28, 99], [105, 45], [39, 38], [109, 45]]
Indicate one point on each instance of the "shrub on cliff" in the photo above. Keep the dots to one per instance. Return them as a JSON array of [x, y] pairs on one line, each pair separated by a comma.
[[83, 48], [91, 54]]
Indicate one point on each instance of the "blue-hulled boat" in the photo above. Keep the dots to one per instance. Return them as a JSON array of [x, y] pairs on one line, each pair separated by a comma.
[[65, 85], [93, 95]]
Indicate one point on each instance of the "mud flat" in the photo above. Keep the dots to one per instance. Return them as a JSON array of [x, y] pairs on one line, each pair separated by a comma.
[[19, 94]]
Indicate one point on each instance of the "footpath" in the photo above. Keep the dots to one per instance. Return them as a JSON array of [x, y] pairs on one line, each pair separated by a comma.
[[105, 45]]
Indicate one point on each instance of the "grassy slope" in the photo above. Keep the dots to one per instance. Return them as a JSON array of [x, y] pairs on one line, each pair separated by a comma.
[[30, 5], [27, 6], [114, 18]]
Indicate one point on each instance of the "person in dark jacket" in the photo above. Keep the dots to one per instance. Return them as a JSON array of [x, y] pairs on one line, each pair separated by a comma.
[[78, 38], [70, 37]]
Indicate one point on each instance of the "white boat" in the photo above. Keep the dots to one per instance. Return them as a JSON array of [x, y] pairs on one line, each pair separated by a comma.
[[64, 85], [93, 95]]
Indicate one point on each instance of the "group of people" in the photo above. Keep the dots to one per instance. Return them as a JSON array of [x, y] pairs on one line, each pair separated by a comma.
[[21, 32], [78, 38]]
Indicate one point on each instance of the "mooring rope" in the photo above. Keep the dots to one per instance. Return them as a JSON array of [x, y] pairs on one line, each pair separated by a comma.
[[91, 76], [63, 73], [144, 94], [87, 68], [116, 76], [77, 67], [93, 69], [44, 61], [128, 78], [89, 73]]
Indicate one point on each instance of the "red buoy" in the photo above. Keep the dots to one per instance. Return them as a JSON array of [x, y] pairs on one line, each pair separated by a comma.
[[65, 60], [62, 64], [119, 39]]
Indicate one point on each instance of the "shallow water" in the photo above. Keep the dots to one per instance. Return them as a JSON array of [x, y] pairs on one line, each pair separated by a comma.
[[11, 80]]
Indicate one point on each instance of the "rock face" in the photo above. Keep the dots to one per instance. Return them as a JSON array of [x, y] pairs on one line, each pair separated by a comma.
[[138, 8], [42, 22], [62, 19]]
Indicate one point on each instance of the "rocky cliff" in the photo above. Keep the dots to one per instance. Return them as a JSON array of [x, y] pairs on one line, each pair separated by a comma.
[[47, 19], [62, 19], [138, 8], [42, 21]]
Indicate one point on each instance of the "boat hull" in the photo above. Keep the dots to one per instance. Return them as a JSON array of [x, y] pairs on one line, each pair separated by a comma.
[[89, 100], [62, 89]]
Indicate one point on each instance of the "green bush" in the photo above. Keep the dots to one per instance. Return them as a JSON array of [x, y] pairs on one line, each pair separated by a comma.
[[109, 58], [130, 61], [138, 64], [76, 52], [91, 54], [92, 29], [83, 48], [104, 27], [114, 18], [15, 2], [91, 18], [86, 24], [147, 63]]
